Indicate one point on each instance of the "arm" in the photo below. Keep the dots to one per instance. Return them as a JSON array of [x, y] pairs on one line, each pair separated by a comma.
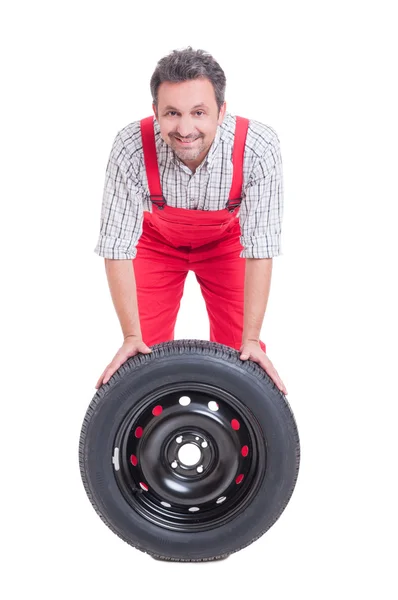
[[123, 290], [122, 286], [257, 287], [120, 229], [261, 220]]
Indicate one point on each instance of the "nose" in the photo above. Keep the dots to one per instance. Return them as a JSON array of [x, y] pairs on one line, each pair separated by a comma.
[[185, 127]]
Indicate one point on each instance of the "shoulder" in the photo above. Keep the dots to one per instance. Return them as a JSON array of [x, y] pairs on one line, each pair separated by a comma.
[[129, 139], [260, 140]]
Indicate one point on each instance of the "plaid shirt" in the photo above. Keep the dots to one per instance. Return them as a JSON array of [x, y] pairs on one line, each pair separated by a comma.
[[126, 193]]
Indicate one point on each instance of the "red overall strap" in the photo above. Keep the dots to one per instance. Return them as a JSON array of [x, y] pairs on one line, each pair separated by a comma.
[[152, 168], [151, 161], [235, 193]]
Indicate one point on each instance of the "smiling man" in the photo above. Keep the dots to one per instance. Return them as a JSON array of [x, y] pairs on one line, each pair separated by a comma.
[[192, 188]]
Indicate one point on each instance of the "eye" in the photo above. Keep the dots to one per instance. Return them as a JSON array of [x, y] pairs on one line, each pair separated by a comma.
[[171, 113], [200, 112]]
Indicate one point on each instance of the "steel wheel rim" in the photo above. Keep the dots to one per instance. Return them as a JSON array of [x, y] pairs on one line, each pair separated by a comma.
[[189, 497]]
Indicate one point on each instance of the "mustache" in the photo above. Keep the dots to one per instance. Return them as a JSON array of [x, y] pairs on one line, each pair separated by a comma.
[[188, 137]]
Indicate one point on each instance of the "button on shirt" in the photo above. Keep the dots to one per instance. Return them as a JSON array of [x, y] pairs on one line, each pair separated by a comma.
[[126, 193]]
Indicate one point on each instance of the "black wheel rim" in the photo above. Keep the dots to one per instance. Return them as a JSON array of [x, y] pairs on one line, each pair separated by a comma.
[[151, 448]]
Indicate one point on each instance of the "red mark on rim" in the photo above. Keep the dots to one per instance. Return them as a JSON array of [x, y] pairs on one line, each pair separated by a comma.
[[138, 432], [134, 460], [239, 478], [157, 411], [235, 424], [245, 450], [144, 486]]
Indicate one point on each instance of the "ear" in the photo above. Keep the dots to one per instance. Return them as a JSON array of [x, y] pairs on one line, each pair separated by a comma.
[[222, 113], [155, 109]]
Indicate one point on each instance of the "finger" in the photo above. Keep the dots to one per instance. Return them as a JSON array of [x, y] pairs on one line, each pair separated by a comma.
[[278, 381], [112, 369], [284, 390], [114, 366], [107, 377], [146, 349], [117, 362], [272, 372], [99, 382]]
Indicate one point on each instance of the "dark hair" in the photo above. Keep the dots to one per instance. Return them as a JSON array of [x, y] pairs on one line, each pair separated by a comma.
[[182, 65]]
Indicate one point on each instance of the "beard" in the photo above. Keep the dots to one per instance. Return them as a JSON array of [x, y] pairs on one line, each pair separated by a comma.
[[188, 153]]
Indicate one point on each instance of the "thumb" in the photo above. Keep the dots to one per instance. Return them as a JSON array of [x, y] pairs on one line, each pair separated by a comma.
[[244, 356]]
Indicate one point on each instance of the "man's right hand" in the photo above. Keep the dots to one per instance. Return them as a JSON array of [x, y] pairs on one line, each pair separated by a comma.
[[132, 345]]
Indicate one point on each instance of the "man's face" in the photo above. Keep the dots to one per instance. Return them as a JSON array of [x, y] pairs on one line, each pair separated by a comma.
[[188, 116]]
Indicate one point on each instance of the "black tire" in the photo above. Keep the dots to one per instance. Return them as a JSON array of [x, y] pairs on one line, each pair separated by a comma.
[[268, 463]]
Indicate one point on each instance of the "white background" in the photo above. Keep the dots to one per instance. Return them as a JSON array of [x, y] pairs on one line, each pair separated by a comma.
[[323, 75]]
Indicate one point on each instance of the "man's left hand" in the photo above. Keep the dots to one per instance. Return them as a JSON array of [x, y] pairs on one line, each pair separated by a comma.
[[253, 351]]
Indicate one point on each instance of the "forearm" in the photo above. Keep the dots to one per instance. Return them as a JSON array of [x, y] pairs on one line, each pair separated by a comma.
[[122, 285], [257, 286]]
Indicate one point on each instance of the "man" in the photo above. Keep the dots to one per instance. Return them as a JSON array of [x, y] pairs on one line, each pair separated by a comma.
[[192, 189]]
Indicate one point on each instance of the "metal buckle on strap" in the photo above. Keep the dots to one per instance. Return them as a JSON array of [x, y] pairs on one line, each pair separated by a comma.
[[231, 205], [159, 201]]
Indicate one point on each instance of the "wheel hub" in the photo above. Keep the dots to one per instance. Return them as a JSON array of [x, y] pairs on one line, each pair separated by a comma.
[[189, 453]]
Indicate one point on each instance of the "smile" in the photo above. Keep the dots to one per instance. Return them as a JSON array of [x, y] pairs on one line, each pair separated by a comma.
[[186, 142]]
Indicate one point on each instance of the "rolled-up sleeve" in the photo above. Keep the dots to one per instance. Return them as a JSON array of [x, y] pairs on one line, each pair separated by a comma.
[[122, 212], [261, 209]]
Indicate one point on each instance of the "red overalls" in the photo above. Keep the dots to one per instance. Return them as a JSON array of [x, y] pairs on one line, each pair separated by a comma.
[[177, 240]]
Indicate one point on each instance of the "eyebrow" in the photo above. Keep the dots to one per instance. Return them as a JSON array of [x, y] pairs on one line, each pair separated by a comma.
[[201, 105]]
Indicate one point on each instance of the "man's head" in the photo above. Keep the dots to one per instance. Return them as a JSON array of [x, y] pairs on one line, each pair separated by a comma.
[[188, 88]]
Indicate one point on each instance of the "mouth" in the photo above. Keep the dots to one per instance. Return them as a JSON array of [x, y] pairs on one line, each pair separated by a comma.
[[185, 142]]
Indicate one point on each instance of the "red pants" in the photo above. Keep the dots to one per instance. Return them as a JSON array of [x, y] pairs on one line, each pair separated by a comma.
[[160, 270]]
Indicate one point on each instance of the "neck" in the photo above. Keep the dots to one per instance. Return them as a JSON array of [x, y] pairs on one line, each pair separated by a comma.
[[194, 164]]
